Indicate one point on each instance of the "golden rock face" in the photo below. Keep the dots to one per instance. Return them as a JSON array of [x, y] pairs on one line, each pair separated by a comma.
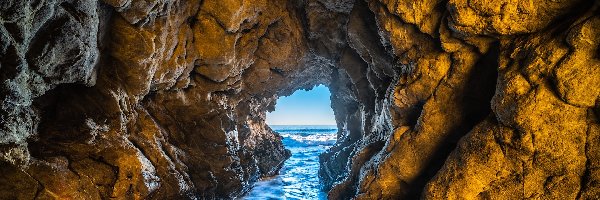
[[166, 99]]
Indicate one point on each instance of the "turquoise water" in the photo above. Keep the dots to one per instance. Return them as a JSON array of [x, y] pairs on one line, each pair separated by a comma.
[[298, 179]]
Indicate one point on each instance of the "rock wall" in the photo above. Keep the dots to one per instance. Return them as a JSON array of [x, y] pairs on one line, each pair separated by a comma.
[[167, 99], [489, 99]]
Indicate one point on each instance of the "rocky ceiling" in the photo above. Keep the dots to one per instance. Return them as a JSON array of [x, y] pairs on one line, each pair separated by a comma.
[[434, 99]]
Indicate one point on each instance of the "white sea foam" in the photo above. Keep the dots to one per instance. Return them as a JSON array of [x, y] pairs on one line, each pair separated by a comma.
[[298, 178]]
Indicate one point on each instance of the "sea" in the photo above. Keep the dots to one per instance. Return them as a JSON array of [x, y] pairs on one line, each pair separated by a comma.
[[298, 178]]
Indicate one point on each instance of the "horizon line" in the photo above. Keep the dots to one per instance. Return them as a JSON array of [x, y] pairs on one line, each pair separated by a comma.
[[302, 124]]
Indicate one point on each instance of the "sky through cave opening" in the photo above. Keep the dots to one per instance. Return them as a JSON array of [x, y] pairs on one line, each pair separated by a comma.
[[306, 122]]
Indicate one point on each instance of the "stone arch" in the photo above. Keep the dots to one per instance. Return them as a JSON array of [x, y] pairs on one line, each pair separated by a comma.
[[167, 99]]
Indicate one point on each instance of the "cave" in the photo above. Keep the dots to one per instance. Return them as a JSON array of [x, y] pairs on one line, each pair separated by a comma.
[[306, 124], [168, 99]]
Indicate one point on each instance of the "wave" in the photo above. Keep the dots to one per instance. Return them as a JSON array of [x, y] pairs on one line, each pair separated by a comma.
[[298, 179], [292, 139], [307, 135]]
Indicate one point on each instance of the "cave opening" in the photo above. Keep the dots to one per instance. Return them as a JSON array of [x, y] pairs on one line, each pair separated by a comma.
[[307, 125]]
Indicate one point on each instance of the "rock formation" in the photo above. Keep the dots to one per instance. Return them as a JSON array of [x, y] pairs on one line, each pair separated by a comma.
[[434, 99]]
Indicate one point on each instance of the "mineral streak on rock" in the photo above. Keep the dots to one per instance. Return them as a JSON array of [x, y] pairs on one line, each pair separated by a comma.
[[434, 99]]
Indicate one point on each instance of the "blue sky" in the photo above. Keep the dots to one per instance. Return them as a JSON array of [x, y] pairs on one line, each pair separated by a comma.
[[303, 108]]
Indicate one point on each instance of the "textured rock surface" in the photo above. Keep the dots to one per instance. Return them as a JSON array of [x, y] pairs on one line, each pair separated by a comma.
[[166, 99]]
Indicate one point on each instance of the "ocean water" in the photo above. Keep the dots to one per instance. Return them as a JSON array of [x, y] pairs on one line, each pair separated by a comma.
[[298, 179]]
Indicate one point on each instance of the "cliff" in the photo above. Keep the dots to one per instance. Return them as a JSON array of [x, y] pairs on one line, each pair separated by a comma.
[[434, 99]]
